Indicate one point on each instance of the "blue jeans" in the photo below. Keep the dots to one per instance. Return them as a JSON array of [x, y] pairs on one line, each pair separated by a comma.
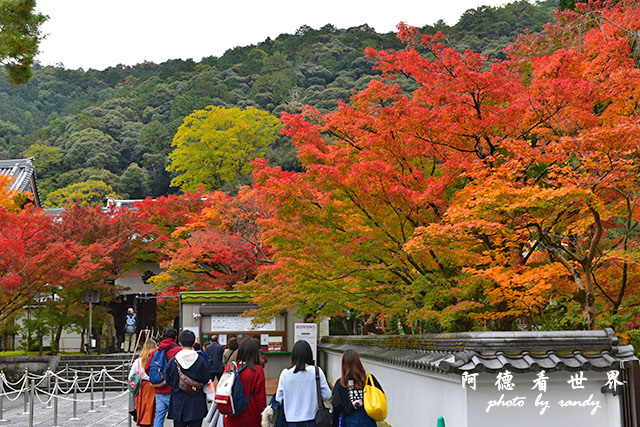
[[359, 419], [302, 424], [162, 407]]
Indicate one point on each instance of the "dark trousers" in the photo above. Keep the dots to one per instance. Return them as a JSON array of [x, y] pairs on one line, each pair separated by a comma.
[[192, 423]]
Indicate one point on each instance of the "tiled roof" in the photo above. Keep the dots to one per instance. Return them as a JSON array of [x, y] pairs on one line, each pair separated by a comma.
[[492, 351], [213, 297], [21, 170]]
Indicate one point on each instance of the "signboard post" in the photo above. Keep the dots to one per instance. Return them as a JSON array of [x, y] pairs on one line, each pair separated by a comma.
[[309, 333], [91, 297]]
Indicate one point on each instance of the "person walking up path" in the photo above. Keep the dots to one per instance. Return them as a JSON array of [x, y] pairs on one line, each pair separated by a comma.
[[297, 387], [130, 329], [163, 391], [145, 399], [215, 351], [348, 393], [187, 410], [253, 384]]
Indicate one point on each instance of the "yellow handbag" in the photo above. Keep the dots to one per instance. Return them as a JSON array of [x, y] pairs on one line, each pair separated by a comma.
[[375, 402]]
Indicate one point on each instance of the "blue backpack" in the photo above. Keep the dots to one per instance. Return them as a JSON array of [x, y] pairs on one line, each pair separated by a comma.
[[230, 392], [158, 365]]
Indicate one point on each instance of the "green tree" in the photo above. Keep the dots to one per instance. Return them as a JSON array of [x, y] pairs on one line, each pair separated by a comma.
[[214, 147], [135, 182], [19, 38], [91, 148], [46, 158], [91, 192]]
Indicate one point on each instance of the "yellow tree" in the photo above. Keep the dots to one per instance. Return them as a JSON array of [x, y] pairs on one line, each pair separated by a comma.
[[214, 147]]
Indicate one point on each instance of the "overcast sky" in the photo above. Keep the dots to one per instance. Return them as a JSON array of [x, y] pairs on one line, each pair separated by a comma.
[[102, 33]]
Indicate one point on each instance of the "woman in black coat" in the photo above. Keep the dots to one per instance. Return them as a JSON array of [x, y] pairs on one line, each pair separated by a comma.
[[348, 393], [186, 410]]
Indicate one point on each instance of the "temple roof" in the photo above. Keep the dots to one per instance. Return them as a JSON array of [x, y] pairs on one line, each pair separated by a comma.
[[24, 176], [492, 351]]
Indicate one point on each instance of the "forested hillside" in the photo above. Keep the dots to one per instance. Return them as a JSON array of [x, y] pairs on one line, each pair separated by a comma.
[[110, 132]]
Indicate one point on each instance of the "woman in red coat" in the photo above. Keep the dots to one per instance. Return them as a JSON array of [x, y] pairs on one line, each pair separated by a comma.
[[252, 378]]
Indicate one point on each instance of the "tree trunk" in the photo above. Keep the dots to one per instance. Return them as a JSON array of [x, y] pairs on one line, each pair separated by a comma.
[[589, 302], [56, 340]]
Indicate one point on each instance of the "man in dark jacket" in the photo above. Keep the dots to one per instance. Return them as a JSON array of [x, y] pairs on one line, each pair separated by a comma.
[[214, 350], [163, 391], [186, 410]]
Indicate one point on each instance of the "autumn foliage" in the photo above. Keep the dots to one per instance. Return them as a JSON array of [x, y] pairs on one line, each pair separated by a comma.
[[469, 193], [452, 193]]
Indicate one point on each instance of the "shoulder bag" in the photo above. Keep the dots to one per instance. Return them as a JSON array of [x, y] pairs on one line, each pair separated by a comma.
[[375, 402], [188, 384], [323, 416]]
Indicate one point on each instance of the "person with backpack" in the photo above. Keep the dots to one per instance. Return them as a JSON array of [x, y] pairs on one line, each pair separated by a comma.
[[348, 393], [155, 368], [297, 389], [130, 328], [214, 350], [187, 373], [145, 402], [251, 376]]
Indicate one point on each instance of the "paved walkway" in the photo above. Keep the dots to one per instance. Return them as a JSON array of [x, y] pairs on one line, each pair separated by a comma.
[[115, 414]]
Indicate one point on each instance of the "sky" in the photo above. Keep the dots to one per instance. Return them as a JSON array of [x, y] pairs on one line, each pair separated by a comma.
[[102, 33]]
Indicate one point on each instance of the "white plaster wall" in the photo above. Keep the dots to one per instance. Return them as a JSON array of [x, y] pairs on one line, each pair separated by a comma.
[[415, 398], [608, 415], [132, 282]]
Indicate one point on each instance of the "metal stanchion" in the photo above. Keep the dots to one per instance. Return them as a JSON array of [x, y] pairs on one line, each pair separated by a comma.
[[55, 403], [91, 388], [26, 395], [48, 373], [2, 420], [75, 397], [55, 411], [66, 372], [31, 400], [104, 387], [123, 374]]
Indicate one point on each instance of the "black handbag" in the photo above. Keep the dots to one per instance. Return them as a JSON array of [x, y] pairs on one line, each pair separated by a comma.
[[324, 418]]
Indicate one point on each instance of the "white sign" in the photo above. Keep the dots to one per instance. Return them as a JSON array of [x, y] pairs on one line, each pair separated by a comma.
[[222, 339], [307, 332], [264, 339], [235, 323]]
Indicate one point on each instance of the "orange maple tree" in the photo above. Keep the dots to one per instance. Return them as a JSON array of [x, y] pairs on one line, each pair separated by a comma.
[[459, 191]]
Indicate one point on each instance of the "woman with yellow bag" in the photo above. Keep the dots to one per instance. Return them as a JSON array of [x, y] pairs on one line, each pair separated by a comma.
[[358, 399]]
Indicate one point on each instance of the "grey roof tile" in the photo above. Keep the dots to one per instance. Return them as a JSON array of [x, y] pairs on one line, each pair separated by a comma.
[[21, 170], [492, 351]]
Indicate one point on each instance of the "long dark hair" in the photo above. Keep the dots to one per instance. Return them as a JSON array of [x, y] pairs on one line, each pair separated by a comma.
[[301, 356], [233, 343], [352, 369], [248, 353]]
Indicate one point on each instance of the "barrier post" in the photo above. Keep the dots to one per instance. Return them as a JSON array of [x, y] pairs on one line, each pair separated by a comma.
[[49, 401], [2, 420], [104, 387], [91, 389], [55, 403], [55, 411], [26, 395], [123, 375], [31, 399], [66, 372], [75, 397]]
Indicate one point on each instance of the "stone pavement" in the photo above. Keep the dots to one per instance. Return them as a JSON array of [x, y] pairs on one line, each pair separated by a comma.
[[115, 414]]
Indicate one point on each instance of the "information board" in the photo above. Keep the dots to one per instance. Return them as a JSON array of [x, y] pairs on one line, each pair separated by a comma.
[[235, 323], [307, 332]]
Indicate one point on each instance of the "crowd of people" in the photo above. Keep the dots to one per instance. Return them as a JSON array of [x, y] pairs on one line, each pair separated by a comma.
[[174, 374]]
